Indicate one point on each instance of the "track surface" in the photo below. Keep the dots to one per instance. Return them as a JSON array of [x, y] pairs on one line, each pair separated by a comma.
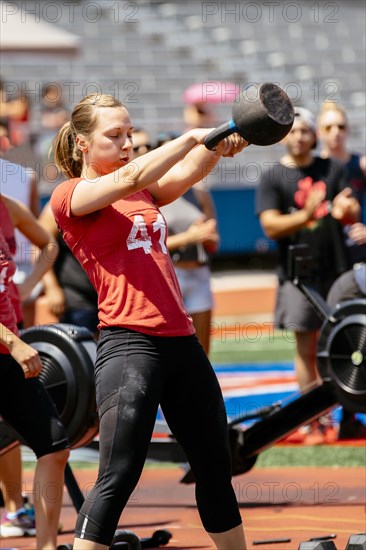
[[297, 503]]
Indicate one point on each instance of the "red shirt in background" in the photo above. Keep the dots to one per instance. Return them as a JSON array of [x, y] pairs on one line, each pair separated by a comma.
[[7, 228], [7, 270]]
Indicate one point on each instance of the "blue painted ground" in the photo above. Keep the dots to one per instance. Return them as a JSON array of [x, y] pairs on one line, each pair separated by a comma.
[[249, 387]]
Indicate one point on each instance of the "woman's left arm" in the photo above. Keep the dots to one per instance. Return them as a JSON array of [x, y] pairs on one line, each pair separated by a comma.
[[45, 256], [195, 166]]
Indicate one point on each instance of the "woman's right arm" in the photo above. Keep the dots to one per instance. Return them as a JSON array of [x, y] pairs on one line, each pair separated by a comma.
[[89, 196]]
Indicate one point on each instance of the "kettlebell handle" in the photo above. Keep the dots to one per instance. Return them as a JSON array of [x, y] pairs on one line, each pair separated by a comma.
[[219, 133]]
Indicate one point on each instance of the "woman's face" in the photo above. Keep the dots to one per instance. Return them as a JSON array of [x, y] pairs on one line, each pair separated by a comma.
[[110, 146], [333, 129]]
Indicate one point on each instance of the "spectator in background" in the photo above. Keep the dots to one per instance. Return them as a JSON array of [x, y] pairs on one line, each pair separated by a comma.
[[350, 285], [141, 142], [293, 204], [333, 130], [16, 111], [20, 183], [69, 293], [5, 144], [50, 445], [197, 112], [26, 190], [192, 238], [53, 114], [27, 406], [200, 100], [53, 110]]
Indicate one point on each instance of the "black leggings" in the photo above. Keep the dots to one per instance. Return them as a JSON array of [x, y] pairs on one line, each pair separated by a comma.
[[135, 372]]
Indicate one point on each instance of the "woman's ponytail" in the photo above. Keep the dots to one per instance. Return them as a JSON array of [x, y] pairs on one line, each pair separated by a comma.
[[68, 158]]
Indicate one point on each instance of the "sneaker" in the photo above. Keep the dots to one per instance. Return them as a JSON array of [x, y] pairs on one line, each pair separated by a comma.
[[29, 510], [315, 437], [19, 524], [351, 428], [296, 437]]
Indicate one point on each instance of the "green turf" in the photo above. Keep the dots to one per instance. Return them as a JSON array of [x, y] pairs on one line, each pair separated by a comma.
[[278, 457], [317, 455], [249, 347]]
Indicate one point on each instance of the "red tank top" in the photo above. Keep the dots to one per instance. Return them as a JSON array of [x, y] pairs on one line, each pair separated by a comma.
[[7, 270], [7, 228], [123, 250]]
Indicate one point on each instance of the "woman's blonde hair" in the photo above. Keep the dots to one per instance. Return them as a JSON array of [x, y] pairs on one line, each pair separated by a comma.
[[331, 106], [68, 158]]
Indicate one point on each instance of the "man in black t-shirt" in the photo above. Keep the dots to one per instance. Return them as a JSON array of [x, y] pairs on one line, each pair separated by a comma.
[[304, 200]]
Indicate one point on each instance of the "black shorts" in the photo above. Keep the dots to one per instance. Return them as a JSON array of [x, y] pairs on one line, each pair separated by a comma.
[[27, 407]]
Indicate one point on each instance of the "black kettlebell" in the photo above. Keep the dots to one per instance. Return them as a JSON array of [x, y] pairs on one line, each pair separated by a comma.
[[262, 114]]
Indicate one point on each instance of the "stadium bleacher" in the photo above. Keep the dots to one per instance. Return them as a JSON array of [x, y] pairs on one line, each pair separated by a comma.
[[163, 47]]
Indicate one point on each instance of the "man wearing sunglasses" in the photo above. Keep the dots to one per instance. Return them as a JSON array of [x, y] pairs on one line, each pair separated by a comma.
[[333, 131]]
